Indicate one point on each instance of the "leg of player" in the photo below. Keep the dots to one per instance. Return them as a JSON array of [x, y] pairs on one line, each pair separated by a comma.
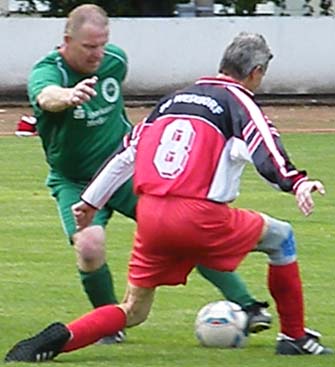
[[94, 272], [286, 289], [95, 275], [134, 310], [89, 244], [90, 250], [232, 287], [102, 321]]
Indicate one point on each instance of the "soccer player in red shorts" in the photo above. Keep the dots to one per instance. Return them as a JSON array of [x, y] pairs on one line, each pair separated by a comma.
[[189, 156]]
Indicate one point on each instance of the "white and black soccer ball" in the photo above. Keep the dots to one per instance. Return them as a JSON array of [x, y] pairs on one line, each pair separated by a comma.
[[222, 324]]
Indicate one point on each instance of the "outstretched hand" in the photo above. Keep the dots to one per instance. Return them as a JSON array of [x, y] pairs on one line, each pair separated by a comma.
[[83, 91], [83, 214], [304, 198]]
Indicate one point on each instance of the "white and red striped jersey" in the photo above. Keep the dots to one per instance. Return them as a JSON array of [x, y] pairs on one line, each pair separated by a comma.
[[200, 139], [196, 143]]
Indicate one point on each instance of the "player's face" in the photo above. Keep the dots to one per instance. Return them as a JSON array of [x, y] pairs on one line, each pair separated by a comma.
[[85, 49]]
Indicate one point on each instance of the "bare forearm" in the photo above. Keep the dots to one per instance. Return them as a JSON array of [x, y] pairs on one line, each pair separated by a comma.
[[55, 98]]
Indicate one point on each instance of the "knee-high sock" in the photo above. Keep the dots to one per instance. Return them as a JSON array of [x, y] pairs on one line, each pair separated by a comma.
[[100, 322], [286, 289], [229, 284], [99, 286]]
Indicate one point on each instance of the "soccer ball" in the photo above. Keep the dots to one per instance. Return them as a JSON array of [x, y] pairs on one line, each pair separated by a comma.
[[222, 324]]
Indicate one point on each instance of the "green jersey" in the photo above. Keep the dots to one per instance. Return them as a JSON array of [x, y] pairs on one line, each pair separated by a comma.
[[78, 140]]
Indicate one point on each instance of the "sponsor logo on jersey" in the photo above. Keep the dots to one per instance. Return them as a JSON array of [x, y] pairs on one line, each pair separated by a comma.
[[110, 90]]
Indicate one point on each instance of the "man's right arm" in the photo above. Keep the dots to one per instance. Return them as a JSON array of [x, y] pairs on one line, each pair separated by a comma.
[[54, 98]]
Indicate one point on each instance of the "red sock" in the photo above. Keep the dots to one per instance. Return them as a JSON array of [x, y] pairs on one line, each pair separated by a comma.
[[100, 322], [286, 289]]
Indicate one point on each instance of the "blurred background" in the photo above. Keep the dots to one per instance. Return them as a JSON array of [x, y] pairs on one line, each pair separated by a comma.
[[171, 43], [170, 8]]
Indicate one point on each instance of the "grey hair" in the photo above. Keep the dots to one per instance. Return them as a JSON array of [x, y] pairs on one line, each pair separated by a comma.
[[243, 54], [83, 14]]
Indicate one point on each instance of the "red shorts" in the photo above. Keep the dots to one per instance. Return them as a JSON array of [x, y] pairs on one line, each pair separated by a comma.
[[175, 234]]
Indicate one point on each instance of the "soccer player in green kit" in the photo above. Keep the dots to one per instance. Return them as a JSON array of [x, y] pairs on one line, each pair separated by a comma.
[[76, 96]]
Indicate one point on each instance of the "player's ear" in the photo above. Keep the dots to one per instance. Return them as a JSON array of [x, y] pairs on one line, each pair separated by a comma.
[[256, 70], [254, 78], [67, 39]]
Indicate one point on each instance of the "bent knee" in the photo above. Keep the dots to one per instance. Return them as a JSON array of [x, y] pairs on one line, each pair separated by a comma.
[[278, 242], [90, 244]]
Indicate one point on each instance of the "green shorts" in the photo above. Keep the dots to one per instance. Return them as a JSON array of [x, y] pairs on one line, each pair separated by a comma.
[[67, 193]]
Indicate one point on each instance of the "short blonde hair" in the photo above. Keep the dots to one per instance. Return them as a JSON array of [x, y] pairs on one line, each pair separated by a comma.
[[85, 13]]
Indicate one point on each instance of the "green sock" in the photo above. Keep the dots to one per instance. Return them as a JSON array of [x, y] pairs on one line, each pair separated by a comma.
[[230, 284], [99, 286]]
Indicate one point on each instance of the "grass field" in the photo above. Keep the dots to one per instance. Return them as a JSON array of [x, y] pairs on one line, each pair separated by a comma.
[[39, 282]]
